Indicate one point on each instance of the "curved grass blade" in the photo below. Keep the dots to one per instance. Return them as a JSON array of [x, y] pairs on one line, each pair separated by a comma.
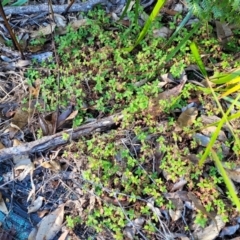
[[229, 118], [5, 2], [226, 179], [125, 10], [147, 24], [19, 3], [224, 119], [230, 91], [216, 133], [234, 81], [198, 59], [225, 77], [136, 12], [228, 99], [181, 25], [182, 43]]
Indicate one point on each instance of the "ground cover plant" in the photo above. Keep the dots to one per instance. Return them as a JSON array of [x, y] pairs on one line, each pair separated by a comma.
[[159, 171]]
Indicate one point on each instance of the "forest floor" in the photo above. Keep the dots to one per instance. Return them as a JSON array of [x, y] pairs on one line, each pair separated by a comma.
[[98, 142]]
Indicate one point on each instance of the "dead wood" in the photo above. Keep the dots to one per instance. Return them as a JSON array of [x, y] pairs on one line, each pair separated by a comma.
[[76, 7], [57, 139]]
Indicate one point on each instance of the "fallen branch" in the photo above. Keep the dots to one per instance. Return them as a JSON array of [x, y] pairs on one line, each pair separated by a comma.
[[76, 7], [57, 139]]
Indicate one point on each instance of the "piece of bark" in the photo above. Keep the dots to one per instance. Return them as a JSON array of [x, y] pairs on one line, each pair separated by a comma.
[[57, 139]]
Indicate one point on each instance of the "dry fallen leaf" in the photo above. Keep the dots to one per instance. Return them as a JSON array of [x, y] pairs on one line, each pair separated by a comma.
[[72, 115], [78, 23], [52, 165], [224, 32], [212, 231], [64, 235], [22, 63], [42, 213], [1, 146], [34, 90], [154, 108], [25, 112], [28, 169], [201, 208], [64, 115], [163, 32], [22, 162], [59, 20], [132, 228], [32, 235], [42, 31], [234, 174], [46, 126], [16, 142], [50, 224], [36, 204], [3, 207]]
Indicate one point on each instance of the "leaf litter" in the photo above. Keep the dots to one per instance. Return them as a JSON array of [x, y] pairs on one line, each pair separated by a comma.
[[55, 174]]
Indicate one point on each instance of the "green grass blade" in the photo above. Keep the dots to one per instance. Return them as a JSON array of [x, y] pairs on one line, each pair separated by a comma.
[[125, 10], [181, 25], [216, 133], [222, 78], [198, 59], [19, 3], [231, 90], [231, 117], [182, 43], [224, 119], [147, 24], [136, 11], [5, 2], [226, 179], [228, 99], [211, 142]]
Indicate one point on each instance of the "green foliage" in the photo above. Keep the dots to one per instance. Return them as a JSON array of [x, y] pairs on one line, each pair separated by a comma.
[[227, 10], [38, 41], [96, 71], [210, 147], [107, 69], [72, 221], [148, 23], [201, 220]]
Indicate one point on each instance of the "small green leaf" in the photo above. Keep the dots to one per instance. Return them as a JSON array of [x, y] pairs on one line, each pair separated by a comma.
[[65, 136]]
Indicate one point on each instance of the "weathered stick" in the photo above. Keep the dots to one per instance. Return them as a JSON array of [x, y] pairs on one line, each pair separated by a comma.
[[55, 140], [76, 7]]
